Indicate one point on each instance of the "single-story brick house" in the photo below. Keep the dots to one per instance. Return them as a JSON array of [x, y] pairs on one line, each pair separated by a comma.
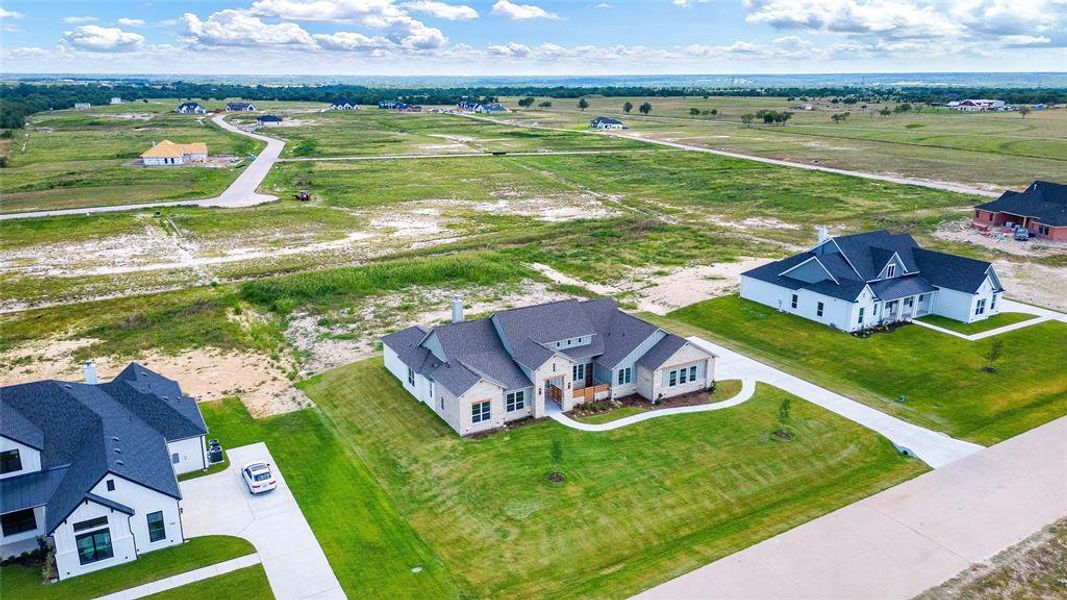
[[854, 282], [91, 468], [478, 375], [1041, 209]]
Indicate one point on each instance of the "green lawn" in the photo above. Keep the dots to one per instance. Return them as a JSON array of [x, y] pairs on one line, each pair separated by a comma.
[[24, 583], [724, 390], [997, 320], [939, 375], [641, 504], [249, 583], [370, 546]]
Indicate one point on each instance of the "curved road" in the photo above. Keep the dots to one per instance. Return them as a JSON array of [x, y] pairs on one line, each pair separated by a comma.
[[241, 193]]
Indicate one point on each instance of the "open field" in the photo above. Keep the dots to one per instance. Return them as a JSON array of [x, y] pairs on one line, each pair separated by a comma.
[[487, 502], [940, 376], [971, 148], [18, 581], [70, 159]]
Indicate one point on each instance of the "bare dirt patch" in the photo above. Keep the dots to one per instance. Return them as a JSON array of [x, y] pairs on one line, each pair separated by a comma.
[[962, 232], [205, 374], [1034, 284]]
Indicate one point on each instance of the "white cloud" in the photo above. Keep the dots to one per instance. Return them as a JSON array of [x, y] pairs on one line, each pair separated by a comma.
[[688, 3], [441, 10], [9, 14], [884, 18], [238, 28], [509, 50], [369, 12], [76, 20], [131, 22], [349, 41], [103, 39], [521, 12], [604, 5]]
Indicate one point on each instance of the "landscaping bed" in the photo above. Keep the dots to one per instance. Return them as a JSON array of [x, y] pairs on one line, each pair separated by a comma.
[[605, 411]]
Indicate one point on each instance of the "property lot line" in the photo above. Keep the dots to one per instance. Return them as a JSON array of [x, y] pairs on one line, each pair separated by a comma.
[[907, 539], [1043, 316], [934, 448], [463, 155], [169, 583], [936, 185], [241, 193], [748, 388]]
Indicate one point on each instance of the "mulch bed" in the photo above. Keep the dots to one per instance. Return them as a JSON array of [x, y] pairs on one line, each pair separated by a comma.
[[634, 400]]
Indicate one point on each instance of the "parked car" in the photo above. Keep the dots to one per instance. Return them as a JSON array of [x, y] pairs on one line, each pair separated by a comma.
[[258, 477], [1022, 234]]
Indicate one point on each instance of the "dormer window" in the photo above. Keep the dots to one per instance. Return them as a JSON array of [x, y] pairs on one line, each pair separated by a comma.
[[890, 270], [10, 461]]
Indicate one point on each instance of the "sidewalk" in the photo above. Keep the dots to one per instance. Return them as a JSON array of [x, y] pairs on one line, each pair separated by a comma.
[[907, 539], [169, 583], [1041, 315]]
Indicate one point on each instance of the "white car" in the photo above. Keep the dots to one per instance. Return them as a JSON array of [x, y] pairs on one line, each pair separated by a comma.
[[258, 477]]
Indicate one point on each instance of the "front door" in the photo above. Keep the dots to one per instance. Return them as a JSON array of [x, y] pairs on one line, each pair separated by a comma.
[[891, 310]]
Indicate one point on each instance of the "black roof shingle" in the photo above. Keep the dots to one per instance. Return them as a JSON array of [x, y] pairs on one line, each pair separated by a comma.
[[1043, 200]]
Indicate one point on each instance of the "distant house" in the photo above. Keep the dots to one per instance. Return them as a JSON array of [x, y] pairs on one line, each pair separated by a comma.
[[853, 282], [191, 108], [82, 106], [606, 123], [468, 105], [344, 105], [240, 107], [388, 104], [481, 374], [267, 120], [402, 107], [491, 108], [92, 467], [167, 153], [1041, 209], [978, 105], [117, 100]]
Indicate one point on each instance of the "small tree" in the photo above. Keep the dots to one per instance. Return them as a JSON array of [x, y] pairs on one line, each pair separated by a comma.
[[557, 459], [885, 112], [526, 102], [627, 106], [1023, 111], [996, 350], [645, 108], [747, 119], [714, 112], [545, 104], [694, 112], [785, 420], [583, 104]]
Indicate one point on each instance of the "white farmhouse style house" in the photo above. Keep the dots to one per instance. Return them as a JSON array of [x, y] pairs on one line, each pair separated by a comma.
[[90, 468], [478, 375], [854, 282]]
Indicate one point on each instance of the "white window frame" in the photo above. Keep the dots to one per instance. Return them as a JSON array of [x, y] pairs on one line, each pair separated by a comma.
[[479, 416], [625, 376], [411, 377], [820, 309], [890, 270], [860, 321], [578, 372], [979, 307], [794, 301], [514, 401]]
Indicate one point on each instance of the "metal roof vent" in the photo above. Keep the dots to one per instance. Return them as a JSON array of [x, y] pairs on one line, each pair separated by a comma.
[[119, 462]]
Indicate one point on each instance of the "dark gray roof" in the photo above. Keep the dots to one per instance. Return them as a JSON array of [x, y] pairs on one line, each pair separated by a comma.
[[17, 427], [529, 330], [110, 503], [663, 350], [240, 105], [476, 348], [861, 259], [189, 105], [951, 271], [121, 427], [607, 120], [269, 118], [30, 490], [899, 287], [1043, 200], [621, 333]]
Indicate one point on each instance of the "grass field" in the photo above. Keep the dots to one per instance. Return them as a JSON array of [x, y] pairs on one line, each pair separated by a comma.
[[724, 390], [485, 508], [24, 583], [975, 148], [997, 320], [940, 376], [68, 159]]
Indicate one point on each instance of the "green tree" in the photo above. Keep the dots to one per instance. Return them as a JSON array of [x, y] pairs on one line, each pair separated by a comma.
[[1023, 111], [747, 119], [714, 112], [785, 413], [583, 104], [526, 102], [627, 106], [885, 112], [545, 104], [996, 350], [694, 112], [645, 108]]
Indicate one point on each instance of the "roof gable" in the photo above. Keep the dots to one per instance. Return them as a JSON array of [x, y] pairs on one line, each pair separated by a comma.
[[1042, 200]]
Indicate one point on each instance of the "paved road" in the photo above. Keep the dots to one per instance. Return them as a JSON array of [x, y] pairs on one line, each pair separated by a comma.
[[934, 448], [241, 193], [748, 388], [457, 155], [220, 504], [905, 540], [937, 185]]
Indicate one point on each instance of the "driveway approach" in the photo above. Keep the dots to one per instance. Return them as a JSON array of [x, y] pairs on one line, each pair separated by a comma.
[[934, 448], [241, 193], [905, 540], [220, 504]]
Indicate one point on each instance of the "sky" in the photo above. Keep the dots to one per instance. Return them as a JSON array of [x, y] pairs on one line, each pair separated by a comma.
[[530, 37]]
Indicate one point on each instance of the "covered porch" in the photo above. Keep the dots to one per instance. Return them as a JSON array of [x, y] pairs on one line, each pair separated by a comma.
[[903, 299]]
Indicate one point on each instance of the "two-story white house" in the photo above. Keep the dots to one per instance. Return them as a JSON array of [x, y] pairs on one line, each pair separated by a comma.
[[478, 375], [854, 282], [91, 468]]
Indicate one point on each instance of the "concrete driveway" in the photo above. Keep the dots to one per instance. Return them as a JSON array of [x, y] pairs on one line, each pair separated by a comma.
[[220, 504], [240, 193]]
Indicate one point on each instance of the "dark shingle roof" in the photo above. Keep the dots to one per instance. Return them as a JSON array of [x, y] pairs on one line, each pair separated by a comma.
[[477, 348], [17, 427], [664, 349], [845, 288], [1043, 200], [269, 119], [869, 252], [951, 271], [121, 427], [608, 120], [529, 329], [30, 490]]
